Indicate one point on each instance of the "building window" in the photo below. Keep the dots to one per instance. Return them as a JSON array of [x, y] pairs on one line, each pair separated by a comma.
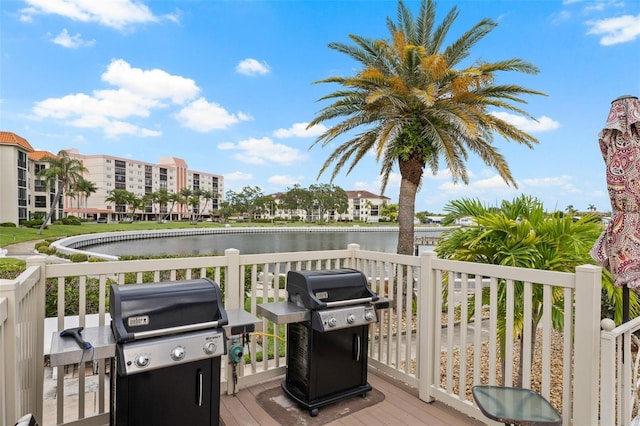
[[41, 201]]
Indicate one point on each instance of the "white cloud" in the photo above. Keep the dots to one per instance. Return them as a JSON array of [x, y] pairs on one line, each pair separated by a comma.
[[252, 67], [621, 29], [284, 180], [117, 14], [138, 93], [300, 130], [204, 116], [72, 42], [237, 176], [154, 84], [264, 151], [557, 182], [544, 123]]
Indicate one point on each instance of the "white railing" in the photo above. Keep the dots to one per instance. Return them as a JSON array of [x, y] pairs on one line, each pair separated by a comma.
[[3, 361], [22, 362], [415, 341], [575, 298], [620, 373]]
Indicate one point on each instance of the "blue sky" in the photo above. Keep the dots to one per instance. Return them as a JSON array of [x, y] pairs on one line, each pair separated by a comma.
[[227, 86]]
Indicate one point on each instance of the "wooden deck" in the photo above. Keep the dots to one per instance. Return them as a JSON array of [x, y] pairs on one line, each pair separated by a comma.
[[398, 408]]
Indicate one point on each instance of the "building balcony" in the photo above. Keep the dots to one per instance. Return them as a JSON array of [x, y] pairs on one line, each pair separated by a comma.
[[438, 338]]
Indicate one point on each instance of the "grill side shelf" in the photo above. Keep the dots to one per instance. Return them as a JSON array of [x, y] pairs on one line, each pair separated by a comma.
[[283, 312]]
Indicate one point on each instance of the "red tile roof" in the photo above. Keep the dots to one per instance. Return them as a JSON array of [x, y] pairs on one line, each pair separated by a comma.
[[39, 155], [10, 138], [364, 194]]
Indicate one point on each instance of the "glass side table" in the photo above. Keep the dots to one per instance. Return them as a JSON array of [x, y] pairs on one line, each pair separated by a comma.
[[515, 406]]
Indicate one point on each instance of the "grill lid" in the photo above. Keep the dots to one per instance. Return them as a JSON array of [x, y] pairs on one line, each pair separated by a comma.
[[149, 310], [326, 288]]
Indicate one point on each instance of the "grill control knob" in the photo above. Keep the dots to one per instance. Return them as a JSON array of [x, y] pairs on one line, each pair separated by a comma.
[[332, 322], [177, 353], [369, 316], [351, 318], [141, 361], [210, 348]]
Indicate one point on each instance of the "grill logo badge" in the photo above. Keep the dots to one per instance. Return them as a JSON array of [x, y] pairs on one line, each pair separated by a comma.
[[322, 295], [138, 321]]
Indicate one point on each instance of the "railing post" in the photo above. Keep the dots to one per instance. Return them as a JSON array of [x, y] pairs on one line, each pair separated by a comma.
[[353, 260], [586, 364], [233, 288], [8, 290], [426, 324], [41, 263], [607, 373], [233, 299]]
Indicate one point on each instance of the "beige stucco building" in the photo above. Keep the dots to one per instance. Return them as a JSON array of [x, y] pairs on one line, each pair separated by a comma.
[[22, 193]]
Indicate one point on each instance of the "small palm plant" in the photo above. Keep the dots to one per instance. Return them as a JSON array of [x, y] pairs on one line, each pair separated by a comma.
[[520, 234]]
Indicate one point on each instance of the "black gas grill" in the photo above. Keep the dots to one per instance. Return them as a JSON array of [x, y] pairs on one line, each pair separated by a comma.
[[169, 342], [327, 354]]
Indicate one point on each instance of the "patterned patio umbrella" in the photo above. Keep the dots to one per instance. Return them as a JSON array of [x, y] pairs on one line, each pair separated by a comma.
[[618, 248]]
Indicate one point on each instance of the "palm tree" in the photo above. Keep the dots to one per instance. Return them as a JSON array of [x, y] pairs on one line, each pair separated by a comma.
[[85, 187], [518, 233], [119, 198], [414, 107], [63, 170], [207, 196]]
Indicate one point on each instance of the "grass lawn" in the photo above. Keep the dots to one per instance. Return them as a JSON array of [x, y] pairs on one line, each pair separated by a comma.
[[17, 235]]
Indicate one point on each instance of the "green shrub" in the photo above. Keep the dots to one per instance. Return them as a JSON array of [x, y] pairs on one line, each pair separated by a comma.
[[51, 251], [79, 257], [72, 295], [44, 244], [34, 223], [7, 225], [42, 249], [71, 220]]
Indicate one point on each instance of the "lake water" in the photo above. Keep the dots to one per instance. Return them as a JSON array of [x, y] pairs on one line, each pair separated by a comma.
[[254, 243]]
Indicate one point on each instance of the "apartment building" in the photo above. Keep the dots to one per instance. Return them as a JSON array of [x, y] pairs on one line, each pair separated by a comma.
[[21, 192], [141, 178], [364, 206]]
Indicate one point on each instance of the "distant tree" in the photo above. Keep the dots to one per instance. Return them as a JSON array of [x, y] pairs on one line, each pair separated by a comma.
[[390, 211], [592, 208], [85, 188], [329, 198], [298, 199], [415, 104], [207, 196], [422, 217], [185, 195], [119, 198], [62, 171], [245, 200]]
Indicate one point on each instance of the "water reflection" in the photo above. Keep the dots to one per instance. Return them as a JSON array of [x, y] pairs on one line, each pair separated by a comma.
[[267, 242]]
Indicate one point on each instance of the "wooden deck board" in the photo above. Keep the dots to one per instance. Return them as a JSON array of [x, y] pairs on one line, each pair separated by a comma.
[[398, 408]]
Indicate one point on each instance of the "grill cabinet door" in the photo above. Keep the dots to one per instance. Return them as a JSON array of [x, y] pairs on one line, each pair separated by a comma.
[[339, 361], [185, 394]]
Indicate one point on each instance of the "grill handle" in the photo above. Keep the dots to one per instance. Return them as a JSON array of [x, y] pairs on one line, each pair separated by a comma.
[[199, 395], [349, 302], [174, 330]]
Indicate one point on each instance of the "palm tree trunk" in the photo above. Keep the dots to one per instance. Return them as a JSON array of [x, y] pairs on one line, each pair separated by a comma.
[[54, 205], [411, 171]]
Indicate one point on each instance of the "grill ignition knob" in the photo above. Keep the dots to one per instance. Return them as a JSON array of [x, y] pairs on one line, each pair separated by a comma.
[[210, 348], [141, 361], [177, 353], [333, 322], [351, 318], [369, 316]]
